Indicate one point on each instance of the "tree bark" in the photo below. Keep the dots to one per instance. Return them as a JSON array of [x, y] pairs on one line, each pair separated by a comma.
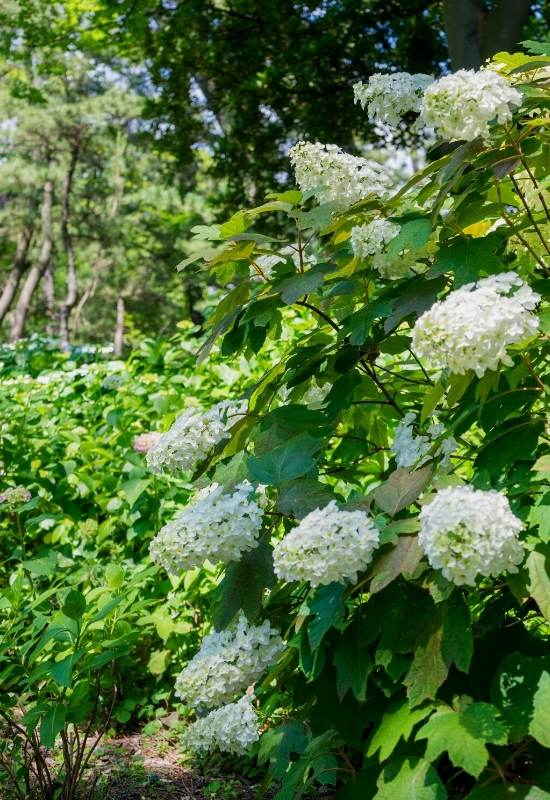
[[37, 270], [48, 287], [475, 33], [20, 266], [72, 294], [119, 326]]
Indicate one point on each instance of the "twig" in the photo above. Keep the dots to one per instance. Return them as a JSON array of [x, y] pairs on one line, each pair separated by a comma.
[[320, 313]]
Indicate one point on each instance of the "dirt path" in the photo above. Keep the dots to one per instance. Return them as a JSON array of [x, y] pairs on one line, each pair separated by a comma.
[[138, 767]]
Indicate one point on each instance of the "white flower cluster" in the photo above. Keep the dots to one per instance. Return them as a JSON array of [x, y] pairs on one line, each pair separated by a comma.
[[327, 545], [389, 97], [472, 327], [227, 663], [466, 532], [371, 240], [412, 450], [461, 105], [214, 526], [231, 728], [333, 175], [192, 436], [269, 260]]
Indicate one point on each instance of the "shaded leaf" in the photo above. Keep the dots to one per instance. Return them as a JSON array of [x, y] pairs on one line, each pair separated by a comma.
[[402, 488]]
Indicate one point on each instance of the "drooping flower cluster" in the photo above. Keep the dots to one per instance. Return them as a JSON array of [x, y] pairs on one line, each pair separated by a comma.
[[145, 441], [335, 176], [228, 662], [389, 97], [474, 325], [231, 729], [412, 450], [327, 545], [466, 532], [192, 436], [215, 526], [461, 105]]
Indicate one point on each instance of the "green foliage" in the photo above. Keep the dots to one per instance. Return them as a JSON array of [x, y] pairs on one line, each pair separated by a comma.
[[398, 683]]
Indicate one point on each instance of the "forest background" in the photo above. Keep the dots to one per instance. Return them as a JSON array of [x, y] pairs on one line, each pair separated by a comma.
[[125, 124]]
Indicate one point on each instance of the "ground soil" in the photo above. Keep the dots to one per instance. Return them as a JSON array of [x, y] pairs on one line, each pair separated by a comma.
[[138, 767]]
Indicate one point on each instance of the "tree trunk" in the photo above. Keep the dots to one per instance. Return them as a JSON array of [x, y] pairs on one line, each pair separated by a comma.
[[38, 269], [48, 288], [20, 265], [119, 327], [475, 33], [71, 297]]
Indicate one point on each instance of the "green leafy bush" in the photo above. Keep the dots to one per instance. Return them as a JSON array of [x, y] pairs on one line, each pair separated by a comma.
[[415, 603]]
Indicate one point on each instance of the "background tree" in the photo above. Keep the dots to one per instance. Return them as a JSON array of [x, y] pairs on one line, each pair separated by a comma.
[[246, 77]]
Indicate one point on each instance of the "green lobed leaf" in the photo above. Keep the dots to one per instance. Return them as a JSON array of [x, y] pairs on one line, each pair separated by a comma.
[[243, 585], [463, 735], [397, 723], [411, 778]]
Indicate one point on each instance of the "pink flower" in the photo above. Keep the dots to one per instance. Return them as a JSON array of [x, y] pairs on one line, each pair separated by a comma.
[[145, 441]]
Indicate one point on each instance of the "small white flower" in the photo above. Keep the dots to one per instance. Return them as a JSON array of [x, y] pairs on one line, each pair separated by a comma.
[[192, 437], [215, 526], [461, 105], [466, 532], [474, 325], [227, 663], [336, 176], [327, 545], [389, 97], [231, 729], [412, 450]]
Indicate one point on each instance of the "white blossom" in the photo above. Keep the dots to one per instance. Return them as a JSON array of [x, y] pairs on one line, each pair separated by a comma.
[[371, 239], [474, 325], [227, 663], [414, 450], [267, 261], [466, 532], [335, 176], [231, 729], [461, 105], [327, 545], [389, 97], [215, 526], [192, 436]]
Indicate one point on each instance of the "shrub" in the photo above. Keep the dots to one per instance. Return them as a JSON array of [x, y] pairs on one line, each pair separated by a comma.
[[410, 407]]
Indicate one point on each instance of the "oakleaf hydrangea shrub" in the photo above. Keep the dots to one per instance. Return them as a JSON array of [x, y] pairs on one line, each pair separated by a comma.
[[400, 547]]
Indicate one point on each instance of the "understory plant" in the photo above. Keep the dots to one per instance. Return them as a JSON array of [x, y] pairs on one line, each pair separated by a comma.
[[378, 498]]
